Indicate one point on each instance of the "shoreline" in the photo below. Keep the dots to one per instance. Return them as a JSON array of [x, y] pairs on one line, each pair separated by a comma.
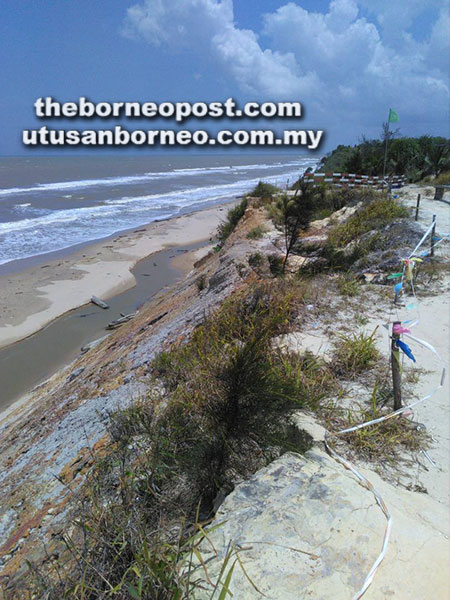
[[37, 295], [23, 365]]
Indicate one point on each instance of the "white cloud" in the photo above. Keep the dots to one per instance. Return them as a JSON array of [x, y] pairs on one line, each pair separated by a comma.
[[340, 64]]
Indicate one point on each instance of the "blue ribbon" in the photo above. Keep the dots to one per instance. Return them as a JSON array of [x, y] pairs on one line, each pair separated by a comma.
[[406, 349]]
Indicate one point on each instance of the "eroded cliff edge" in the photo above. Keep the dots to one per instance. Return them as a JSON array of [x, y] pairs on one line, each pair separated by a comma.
[[50, 442]]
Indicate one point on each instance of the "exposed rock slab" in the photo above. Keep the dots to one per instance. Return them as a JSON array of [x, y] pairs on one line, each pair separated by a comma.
[[309, 530]]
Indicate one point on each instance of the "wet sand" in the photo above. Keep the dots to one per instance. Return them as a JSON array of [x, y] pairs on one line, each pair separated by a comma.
[[26, 363], [39, 293]]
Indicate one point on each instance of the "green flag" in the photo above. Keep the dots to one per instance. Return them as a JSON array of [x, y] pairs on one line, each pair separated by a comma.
[[393, 116]]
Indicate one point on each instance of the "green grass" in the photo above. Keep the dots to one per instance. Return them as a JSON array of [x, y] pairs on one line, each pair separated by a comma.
[[256, 233], [234, 215], [374, 215], [354, 354], [348, 285]]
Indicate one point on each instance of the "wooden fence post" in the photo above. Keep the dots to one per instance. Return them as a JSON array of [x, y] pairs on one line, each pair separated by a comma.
[[433, 235], [396, 372], [417, 207]]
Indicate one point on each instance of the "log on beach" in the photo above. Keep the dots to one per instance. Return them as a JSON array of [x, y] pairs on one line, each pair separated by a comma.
[[99, 302], [123, 319]]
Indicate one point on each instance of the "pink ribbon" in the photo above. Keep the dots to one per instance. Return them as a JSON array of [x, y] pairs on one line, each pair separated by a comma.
[[399, 329]]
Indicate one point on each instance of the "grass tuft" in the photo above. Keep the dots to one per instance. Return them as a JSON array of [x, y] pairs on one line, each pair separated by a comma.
[[348, 285], [256, 233], [355, 353]]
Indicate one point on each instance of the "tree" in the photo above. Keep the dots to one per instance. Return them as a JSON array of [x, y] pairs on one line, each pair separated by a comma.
[[404, 155], [354, 163], [436, 154], [386, 136], [296, 213]]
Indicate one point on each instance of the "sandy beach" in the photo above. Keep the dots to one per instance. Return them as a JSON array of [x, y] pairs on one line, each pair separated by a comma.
[[32, 298]]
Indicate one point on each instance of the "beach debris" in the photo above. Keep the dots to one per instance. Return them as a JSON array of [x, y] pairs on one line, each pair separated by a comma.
[[405, 349], [376, 277], [123, 319], [99, 302], [75, 374]]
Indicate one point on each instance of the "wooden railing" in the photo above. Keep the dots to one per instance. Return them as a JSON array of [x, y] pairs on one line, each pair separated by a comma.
[[355, 180]]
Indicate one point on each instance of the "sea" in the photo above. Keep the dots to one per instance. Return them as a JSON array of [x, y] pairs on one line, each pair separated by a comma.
[[50, 204]]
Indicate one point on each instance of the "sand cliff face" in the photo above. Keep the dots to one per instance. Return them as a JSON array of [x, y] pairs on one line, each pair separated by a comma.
[[48, 440], [311, 530]]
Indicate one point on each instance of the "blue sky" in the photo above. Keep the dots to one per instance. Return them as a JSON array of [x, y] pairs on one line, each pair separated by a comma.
[[347, 61]]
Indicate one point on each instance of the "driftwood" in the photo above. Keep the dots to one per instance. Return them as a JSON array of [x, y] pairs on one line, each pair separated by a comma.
[[123, 319], [99, 302]]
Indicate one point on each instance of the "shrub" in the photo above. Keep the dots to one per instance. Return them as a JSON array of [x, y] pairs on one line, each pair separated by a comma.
[[275, 264], [266, 191], [256, 259], [234, 215], [200, 282], [374, 215], [256, 233], [223, 412]]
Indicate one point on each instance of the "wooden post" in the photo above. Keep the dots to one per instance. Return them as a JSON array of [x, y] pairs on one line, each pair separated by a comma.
[[396, 373], [417, 207], [433, 235]]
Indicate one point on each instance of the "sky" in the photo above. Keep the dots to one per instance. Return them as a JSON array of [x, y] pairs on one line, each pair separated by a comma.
[[346, 61]]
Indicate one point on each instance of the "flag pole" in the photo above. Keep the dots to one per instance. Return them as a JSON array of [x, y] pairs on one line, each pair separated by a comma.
[[386, 148]]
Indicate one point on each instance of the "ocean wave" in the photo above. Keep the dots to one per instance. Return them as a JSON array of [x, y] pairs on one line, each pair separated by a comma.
[[130, 179], [119, 207], [54, 230]]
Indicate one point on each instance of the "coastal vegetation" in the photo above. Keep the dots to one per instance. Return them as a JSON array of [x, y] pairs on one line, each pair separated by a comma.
[[218, 408], [220, 403], [233, 216], [414, 157]]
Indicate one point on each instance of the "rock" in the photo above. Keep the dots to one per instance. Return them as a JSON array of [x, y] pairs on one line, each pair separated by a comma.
[[296, 262], [313, 240], [373, 277], [75, 374], [337, 217], [93, 344], [307, 529]]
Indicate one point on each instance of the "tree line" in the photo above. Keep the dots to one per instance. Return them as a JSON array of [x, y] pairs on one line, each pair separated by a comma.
[[414, 157]]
